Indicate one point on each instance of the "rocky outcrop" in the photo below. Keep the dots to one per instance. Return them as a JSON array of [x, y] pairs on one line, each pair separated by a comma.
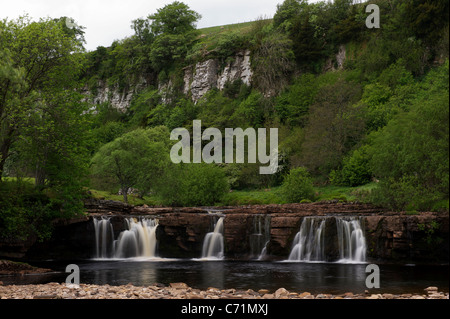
[[119, 99], [202, 77], [421, 237], [337, 62], [238, 69], [198, 80], [8, 267]]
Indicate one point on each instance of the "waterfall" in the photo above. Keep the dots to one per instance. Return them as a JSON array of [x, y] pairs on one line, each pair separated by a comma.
[[260, 236], [351, 239], [138, 240], [308, 243], [213, 242], [104, 238]]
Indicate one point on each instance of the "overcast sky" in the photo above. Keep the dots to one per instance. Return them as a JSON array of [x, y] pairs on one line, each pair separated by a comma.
[[109, 20]]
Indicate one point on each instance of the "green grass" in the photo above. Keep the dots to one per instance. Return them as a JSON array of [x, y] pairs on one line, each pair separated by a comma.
[[217, 30], [15, 179], [210, 37], [132, 199], [235, 197], [252, 196], [342, 193]]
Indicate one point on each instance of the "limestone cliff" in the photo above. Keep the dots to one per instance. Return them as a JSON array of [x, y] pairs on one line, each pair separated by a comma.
[[202, 77], [197, 81]]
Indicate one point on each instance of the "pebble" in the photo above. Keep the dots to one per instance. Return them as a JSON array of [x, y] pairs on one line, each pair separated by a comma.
[[183, 291]]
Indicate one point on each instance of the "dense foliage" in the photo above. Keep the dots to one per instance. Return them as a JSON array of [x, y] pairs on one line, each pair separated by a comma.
[[380, 114]]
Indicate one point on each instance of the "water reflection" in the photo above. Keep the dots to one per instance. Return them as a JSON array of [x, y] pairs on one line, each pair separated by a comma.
[[313, 277]]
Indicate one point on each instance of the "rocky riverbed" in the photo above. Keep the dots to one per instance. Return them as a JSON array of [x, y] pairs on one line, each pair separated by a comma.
[[183, 291]]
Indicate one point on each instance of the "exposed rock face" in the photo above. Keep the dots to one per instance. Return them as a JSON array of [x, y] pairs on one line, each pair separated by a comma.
[[119, 100], [405, 236], [338, 62], [202, 77], [239, 68], [181, 231], [198, 80]]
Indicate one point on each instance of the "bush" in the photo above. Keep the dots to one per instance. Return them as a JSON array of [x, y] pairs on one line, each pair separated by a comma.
[[26, 211], [297, 186], [193, 185], [405, 193], [355, 170]]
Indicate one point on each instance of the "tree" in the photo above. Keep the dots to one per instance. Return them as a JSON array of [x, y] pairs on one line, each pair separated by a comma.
[[286, 12], [173, 31], [426, 18], [134, 160], [193, 185], [38, 55], [273, 63], [297, 186], [335, 126], [410, 154]]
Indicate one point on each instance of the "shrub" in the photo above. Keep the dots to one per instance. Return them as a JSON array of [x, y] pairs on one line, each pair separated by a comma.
[[297, 186], [193, 185], [405, 193], [355, 170]]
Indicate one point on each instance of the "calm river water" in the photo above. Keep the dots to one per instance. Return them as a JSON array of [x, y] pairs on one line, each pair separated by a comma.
[[332, 278]]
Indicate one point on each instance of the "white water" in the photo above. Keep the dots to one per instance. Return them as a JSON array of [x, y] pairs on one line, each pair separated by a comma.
[[213, 242], [352, 242], [308, 243], [138, 240], [104, 238], [260, 237]]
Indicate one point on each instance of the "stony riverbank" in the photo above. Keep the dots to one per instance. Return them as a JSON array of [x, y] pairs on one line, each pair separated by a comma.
[[8, 267], [183, 291]]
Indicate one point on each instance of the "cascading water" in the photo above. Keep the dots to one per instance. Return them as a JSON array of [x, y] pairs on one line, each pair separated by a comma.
[[308, 244], [213, 242], [352, 242], [260, 236], [104, 238], [138, 240]]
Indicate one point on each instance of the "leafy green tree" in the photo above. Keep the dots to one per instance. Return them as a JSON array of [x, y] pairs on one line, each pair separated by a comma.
[[44, 123], [335, 126], [273, 63], [297, 186], [411, 152], [426, 18], [287, 12], [193, 185], [134, 160], [250, 112], [355, 169], [173, 28], [38, 55], [292, 105]]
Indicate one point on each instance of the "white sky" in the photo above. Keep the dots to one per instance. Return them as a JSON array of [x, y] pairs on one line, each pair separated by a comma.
[[109, 20]]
